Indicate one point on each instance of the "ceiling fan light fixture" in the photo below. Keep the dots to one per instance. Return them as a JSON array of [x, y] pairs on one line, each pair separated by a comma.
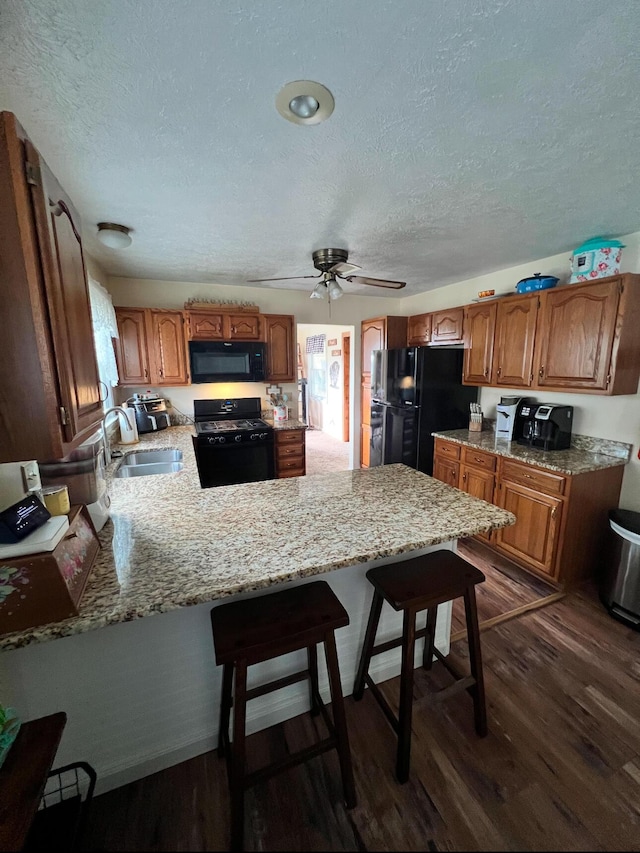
[[334, 289], [305, 102], [114, 236], [318, 291]]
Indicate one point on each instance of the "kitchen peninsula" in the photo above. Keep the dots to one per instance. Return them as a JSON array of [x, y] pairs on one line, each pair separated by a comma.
[[140, 693]]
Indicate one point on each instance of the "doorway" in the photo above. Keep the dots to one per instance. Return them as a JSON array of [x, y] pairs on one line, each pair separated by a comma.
[[325, 399]]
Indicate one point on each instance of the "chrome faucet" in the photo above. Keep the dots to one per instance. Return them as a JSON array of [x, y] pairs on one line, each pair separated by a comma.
[[105, 438]]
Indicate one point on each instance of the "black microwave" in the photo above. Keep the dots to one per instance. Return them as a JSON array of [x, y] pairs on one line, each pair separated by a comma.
[[227, 361]]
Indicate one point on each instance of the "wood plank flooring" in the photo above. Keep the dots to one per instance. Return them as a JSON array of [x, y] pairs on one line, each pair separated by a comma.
[[559, 770]]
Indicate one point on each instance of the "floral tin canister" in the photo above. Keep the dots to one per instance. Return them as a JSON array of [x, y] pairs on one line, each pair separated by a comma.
[[280, 413], [597, 258]]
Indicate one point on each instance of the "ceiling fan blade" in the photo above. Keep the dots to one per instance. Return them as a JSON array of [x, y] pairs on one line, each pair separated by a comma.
[[376, 282], [285, 278], [343, 269]]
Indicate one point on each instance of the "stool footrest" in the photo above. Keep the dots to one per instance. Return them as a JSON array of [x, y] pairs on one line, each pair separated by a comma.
[[457, 687], [277, 684], [393, 644], [290, 761]]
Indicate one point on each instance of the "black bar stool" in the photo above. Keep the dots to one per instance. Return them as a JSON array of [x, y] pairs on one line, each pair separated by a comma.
[[412, 586], [259, 629]]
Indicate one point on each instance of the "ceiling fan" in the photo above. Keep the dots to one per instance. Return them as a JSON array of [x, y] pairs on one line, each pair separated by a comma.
[[333, 265]]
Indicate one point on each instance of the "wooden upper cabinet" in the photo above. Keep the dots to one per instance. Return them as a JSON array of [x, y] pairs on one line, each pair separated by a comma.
[[205, 326], [67, 297], [447, 326], [418, 330], [514, 341], [223, 326], [278, 335], [132, 351], [151, 348], [373, 337], [479, 331], [168, 355], [578, 326]]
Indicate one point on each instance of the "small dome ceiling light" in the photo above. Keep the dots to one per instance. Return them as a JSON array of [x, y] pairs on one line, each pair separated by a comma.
[[305, 102], [114, 236]]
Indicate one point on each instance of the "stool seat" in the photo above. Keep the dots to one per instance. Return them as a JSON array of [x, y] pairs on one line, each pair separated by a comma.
[[424, 581], [414, 585], [260, 629]]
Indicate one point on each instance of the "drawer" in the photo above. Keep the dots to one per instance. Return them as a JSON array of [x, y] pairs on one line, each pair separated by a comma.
[[534, 478], [479, 459], [447, 449], [293, 467], [289, 437], [289, 451]]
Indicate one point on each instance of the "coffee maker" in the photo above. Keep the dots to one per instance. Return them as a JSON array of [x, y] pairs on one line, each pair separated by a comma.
[[506, 423], [545, 426]]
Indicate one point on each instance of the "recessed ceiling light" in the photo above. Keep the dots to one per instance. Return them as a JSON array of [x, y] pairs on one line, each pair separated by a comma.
[[305, 102], [114, 236]]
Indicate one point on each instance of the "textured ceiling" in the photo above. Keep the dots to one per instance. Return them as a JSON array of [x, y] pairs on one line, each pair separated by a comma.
[[468, 135]]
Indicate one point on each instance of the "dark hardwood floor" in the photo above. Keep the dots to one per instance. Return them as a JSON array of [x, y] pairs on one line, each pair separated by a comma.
[[559, 770]]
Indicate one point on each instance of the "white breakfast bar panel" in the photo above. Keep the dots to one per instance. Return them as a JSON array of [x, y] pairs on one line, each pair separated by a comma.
[[135, 670]]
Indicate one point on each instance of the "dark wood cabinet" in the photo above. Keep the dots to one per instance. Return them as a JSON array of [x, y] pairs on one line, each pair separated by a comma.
[[278, 334], [48, 372], [290, 453], [151, 348], [514, 340], [533, 539], [376, 333]]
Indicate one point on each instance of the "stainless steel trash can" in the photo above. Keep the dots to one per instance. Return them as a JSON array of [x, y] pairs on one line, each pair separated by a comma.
[[620, 583]]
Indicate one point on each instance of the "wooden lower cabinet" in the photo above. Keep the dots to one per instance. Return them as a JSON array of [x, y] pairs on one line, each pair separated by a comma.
[[290, 453], [562, 520]]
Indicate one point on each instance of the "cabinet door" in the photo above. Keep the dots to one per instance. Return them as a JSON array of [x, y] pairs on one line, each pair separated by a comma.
[[479, 484], [419, 330], [242, 327], [533, 539], [373, 337], [365, 445], [205, 326], [447, 326], [579, 324], [278, 336], [168, 349], [67, 299], [479, 329], [446, 470], [514, 339], [132, 351]]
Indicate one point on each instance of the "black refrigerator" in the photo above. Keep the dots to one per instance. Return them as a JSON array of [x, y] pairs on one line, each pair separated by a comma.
[[416, 391]]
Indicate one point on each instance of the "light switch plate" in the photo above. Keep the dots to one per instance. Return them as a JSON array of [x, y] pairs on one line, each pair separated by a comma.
[[31, 476]]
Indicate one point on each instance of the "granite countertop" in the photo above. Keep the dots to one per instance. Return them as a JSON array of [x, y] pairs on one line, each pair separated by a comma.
[[585, 454], [171, 544], [292, 423]]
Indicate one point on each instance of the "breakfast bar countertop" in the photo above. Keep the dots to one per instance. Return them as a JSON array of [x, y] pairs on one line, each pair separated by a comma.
[[170, 544]]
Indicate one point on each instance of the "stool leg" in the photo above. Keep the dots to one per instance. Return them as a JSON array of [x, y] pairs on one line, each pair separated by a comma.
[[430, 638], [406, 696], [367, 648], [475, 659], [225, 708], [314, 690], [340, 720], [238, 758]]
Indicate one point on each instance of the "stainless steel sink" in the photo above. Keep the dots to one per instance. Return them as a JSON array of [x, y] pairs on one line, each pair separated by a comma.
[[142, 464], [145, 470], [149, 457]]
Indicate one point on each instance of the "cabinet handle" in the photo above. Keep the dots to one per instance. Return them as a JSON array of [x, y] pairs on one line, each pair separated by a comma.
[[161, 372], [146, 373], [499, 373], [528, 476], [553, 512], [464, 478], [477, 459], [101, 399], [486, 372], [541, 372]]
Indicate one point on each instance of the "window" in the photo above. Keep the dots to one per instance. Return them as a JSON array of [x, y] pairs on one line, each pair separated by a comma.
[[105, 328]]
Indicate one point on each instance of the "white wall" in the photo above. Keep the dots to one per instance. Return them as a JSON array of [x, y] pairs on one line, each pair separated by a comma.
[[616, 418]]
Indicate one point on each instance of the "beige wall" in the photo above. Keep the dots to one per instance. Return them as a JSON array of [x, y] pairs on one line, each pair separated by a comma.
[[616, 418]]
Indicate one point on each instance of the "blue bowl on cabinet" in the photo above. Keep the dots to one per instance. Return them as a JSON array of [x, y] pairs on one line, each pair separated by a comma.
[[536, 282]]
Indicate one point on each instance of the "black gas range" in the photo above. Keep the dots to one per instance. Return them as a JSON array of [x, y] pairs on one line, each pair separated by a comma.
[[232, 443]]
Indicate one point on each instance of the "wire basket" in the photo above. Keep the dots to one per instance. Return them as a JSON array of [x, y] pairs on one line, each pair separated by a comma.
[[63, 809]]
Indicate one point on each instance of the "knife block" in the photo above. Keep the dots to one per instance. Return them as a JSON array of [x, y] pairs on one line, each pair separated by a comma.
[[47, 587]]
